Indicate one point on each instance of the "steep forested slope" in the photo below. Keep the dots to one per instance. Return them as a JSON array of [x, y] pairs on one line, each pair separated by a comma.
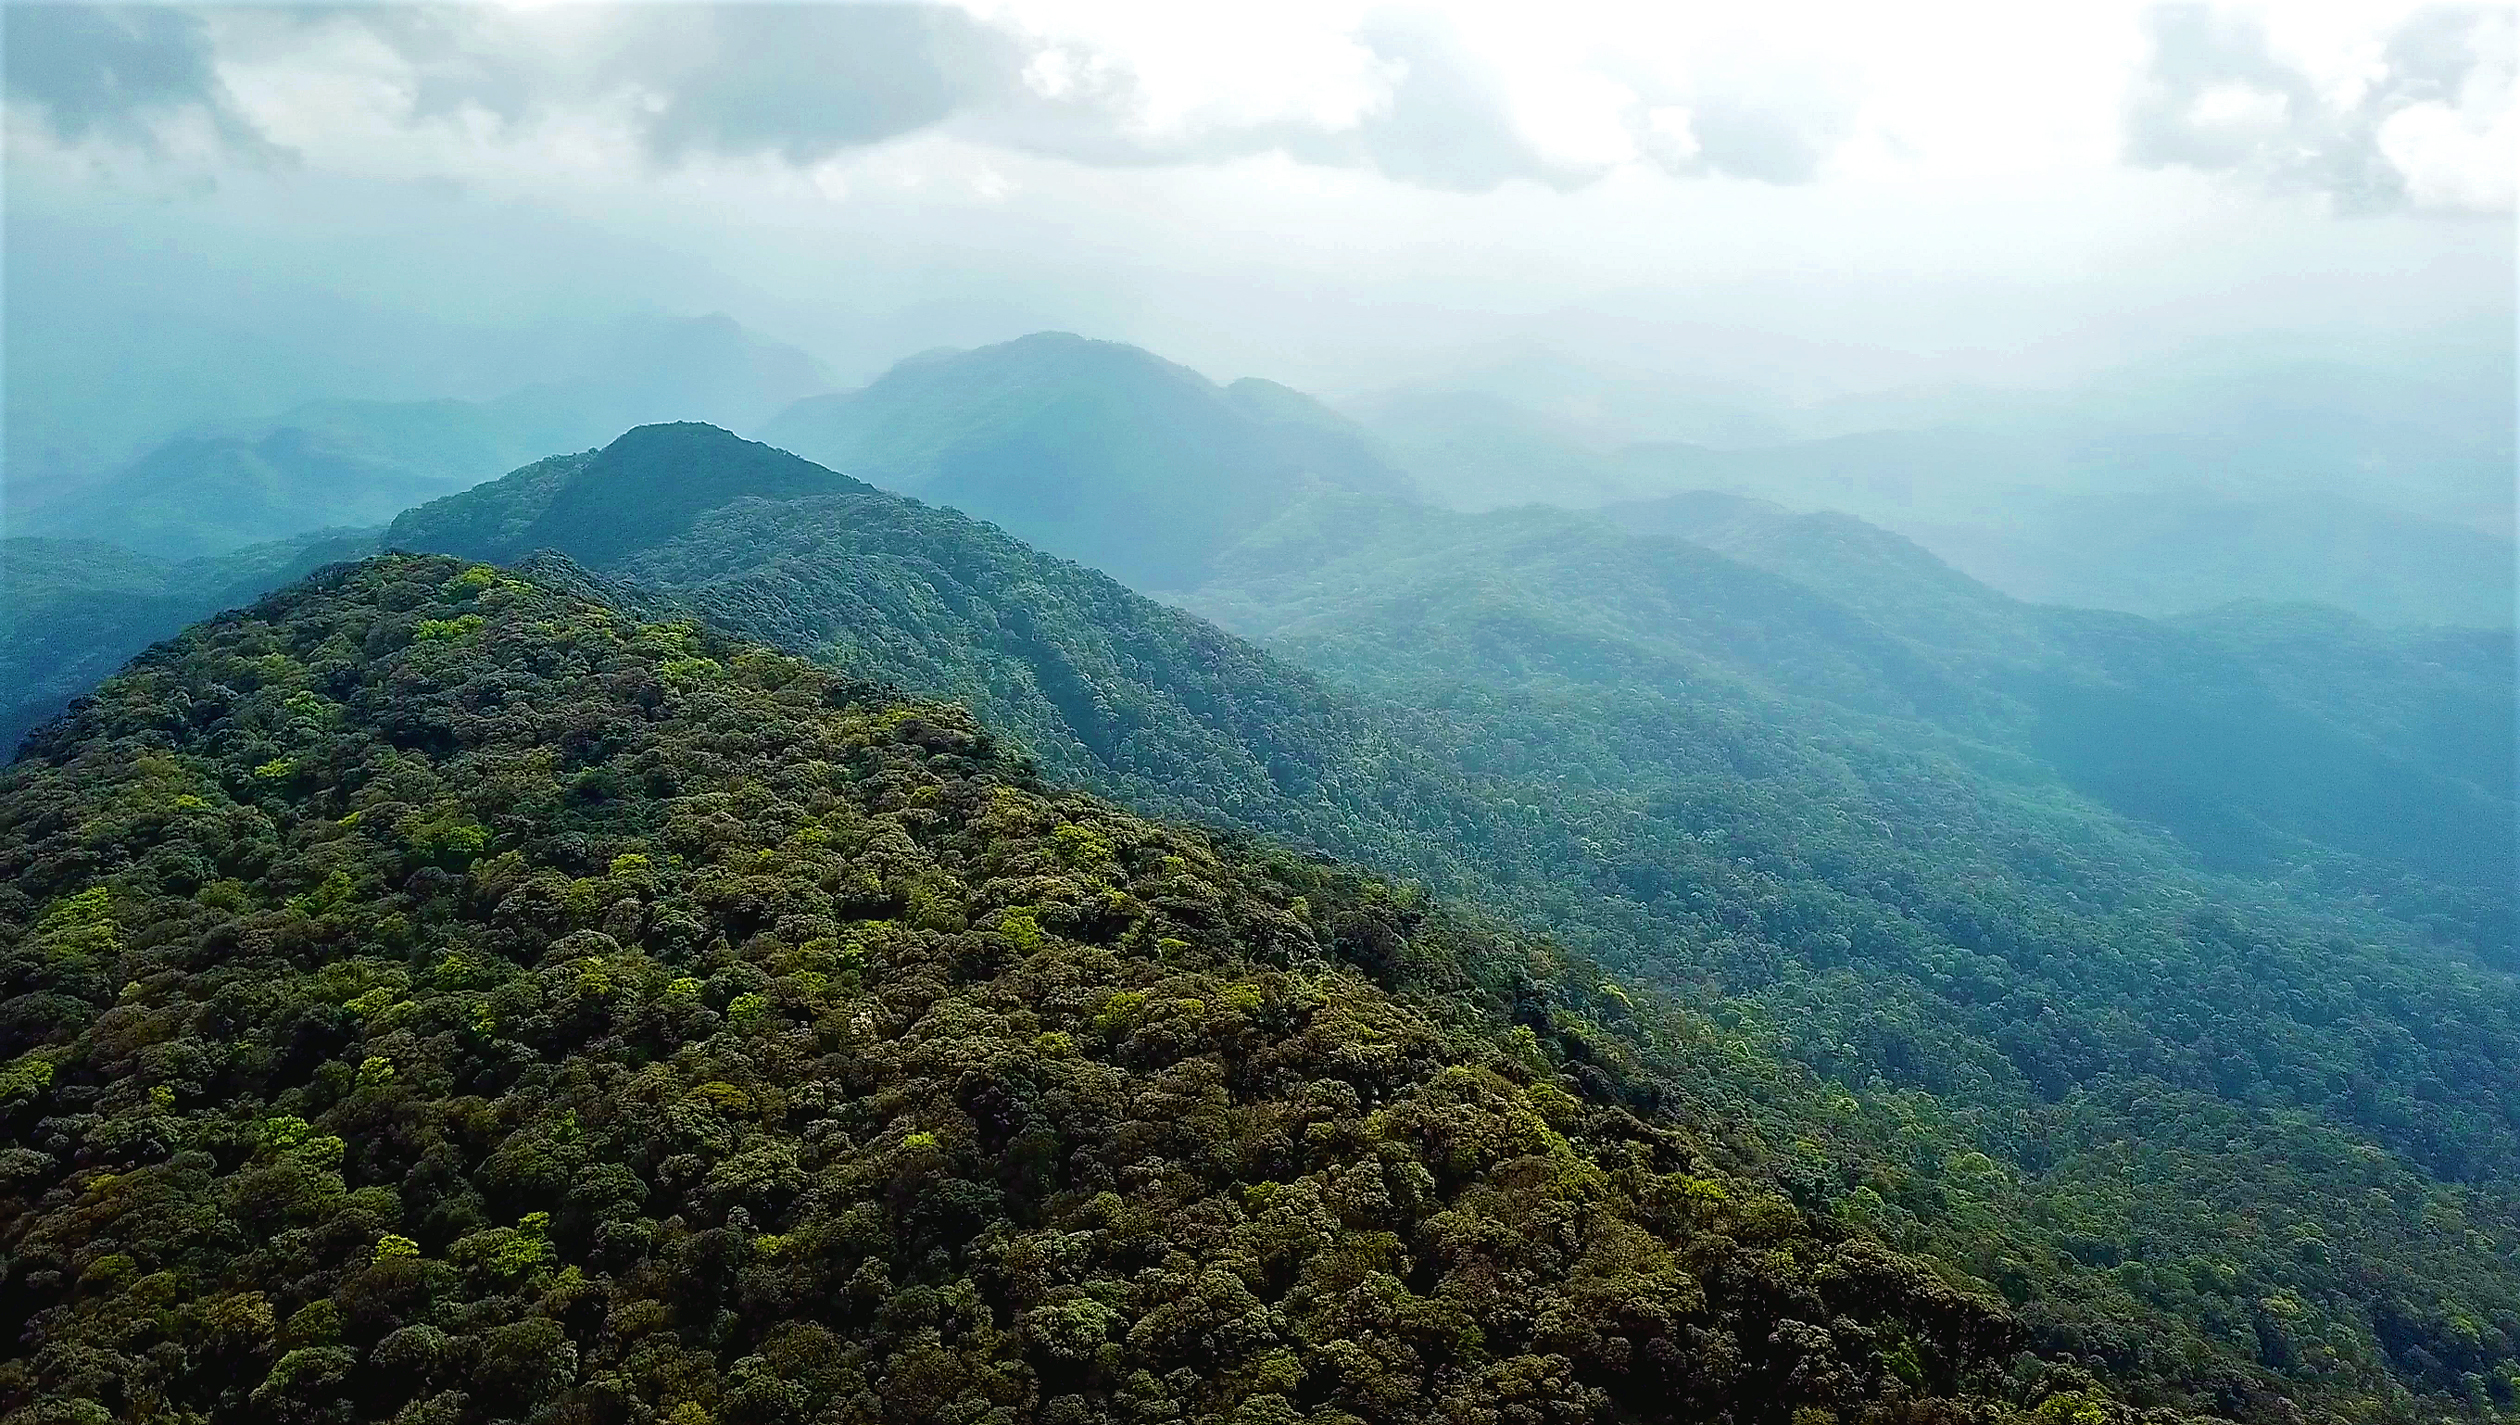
[[2027, 1036], [431, 997], [1078, 447], [1099, 684]]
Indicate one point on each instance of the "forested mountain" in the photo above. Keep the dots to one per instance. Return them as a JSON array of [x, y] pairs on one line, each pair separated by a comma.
[[1801, 773], [2029, 1037], [1076, 445], [2391, 767], [1101, 685], [437, 998], [1832, 825]]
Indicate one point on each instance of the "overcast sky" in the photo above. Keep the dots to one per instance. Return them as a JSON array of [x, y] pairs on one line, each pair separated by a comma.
[[1798, 198]]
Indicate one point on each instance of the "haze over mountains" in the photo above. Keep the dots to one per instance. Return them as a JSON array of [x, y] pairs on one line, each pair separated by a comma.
[[2369, 482], [1935, 883], [1081, 447], [2304, 483], [339, 462], [1364, 713]]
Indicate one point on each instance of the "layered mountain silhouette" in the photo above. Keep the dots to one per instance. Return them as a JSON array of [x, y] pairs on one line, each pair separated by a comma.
[[344, 463], [1945, 882], [2161, 490]]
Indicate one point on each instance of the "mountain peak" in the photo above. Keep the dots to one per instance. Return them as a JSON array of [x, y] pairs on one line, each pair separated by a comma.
[[684, 435], [650, 484]]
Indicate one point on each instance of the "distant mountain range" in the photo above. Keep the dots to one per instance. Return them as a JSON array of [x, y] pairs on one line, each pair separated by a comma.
[[2171, 547], [349, 463], [2158, 490]]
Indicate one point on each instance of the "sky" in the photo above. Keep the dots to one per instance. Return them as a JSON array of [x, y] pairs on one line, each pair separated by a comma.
[[220, 209]]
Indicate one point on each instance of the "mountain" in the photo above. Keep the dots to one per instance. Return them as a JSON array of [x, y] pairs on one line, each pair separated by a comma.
[[1965, 1002], [196, 496], [1844, 842], [1103, 686], [2389, 770], [334, 463], [2032, 525], [1889, 579], [1090, 450], [435, 997], [2172, 554]]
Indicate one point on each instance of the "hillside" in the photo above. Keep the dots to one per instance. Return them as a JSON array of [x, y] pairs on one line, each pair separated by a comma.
[[2262, 735], [1102, 686], [435, 997], [1951, 978], [1942, 931], [1090, 450]]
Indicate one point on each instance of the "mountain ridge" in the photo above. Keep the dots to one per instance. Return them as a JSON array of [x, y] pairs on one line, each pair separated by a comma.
[[553, 1013], [1926, 947]]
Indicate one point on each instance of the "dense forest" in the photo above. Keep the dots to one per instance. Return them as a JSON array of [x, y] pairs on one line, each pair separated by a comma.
[[2216, 1094], [2270, 740], [436, 997], [1993, 992], [943, 712]]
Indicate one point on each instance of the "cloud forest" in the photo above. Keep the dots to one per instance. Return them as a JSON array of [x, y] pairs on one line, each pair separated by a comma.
[[971, 714]]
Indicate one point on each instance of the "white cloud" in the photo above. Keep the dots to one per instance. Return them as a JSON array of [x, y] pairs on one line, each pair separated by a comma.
[[2371, 108], [2450, 161], [1315, 189], [1465, 96]]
